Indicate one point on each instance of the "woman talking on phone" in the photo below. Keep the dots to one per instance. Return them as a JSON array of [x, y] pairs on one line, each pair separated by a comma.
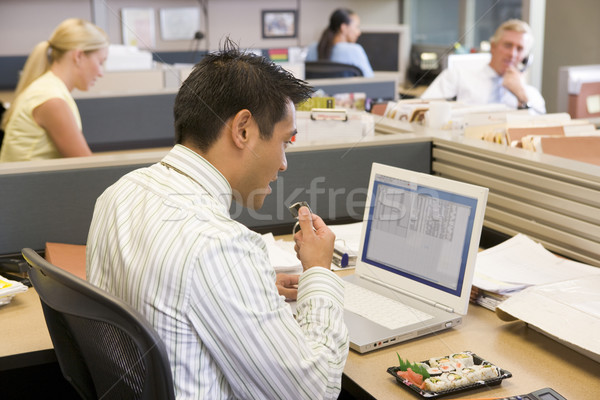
[[43, 121]]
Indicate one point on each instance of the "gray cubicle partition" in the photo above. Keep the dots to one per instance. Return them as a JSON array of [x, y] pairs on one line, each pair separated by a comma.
[[377, 89], [128, 122], [333, 181], [10, 67], [57, 205], [51, 206], [556, 206]]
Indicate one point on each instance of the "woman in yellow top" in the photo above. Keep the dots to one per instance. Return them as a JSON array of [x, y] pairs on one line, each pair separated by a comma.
[[43, 122]]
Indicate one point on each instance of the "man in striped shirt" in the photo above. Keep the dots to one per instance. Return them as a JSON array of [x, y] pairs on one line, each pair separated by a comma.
[[162, 239]]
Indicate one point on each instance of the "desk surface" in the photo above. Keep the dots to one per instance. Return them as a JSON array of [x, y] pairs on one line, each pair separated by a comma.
[[24, 338], [534, 360]]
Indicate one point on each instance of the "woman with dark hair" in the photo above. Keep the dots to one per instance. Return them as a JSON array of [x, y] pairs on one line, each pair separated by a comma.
[[338, 42]]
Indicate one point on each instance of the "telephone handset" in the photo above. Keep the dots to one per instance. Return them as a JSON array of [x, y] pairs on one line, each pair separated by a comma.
[[525, 63]]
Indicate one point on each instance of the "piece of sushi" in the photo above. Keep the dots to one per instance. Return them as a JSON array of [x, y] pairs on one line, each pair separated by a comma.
[[488, 371], [446, 367], [434, 371], [470, 374], [436, 384], [466, 359], [436, 361], [456, 380]]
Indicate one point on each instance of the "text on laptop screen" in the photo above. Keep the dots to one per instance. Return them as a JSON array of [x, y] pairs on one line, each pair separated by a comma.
[[419, 232]]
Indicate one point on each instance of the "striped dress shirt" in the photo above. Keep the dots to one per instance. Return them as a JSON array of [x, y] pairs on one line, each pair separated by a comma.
[[162, 239]]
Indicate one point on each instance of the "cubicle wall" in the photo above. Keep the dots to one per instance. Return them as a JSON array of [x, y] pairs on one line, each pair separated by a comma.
[[558, 207], [383, 86], [333, 181], [135, 121], [54, 202], [128, 121], [10, 68], [52, 205]]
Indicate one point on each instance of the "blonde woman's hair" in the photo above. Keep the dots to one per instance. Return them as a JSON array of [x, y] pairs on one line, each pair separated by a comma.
[[515, 25], [71, 34]]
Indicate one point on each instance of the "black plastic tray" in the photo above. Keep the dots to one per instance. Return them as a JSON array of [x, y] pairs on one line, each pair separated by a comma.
[[426, 394]]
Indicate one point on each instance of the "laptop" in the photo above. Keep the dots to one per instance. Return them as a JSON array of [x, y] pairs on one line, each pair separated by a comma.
[[420, 236]]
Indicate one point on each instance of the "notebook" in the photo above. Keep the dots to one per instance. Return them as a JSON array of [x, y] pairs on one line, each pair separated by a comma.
[[420, 236]]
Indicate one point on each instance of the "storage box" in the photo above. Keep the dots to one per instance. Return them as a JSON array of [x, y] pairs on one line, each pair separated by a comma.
[[335, 124]]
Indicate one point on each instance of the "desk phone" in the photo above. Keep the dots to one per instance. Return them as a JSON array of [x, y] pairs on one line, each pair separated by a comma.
[[541, 394]]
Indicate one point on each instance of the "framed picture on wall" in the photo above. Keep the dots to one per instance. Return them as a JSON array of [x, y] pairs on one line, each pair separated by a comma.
[[179, 23], [138, 27], [279, 24]]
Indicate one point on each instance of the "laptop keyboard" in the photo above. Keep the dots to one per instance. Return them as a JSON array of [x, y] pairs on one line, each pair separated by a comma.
[[380, 309]]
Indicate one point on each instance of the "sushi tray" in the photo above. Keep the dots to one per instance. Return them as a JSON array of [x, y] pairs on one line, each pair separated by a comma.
[[442, 376]]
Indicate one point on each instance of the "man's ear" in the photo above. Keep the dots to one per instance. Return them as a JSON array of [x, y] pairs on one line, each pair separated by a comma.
[[239, 127]]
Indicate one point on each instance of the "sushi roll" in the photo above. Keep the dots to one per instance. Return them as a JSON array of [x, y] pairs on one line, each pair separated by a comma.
[[464, 358], [488, 371], [456, 380], [435, 362], [434, 371], [436, 384], [446, 367], [470, 374], [422, 365]]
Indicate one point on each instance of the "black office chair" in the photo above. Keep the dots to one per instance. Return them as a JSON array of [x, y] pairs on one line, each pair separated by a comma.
[[105, 348], [2, 111], [329, 69]]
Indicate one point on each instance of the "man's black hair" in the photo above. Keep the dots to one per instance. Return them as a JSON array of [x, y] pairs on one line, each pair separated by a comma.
[[225, 82]]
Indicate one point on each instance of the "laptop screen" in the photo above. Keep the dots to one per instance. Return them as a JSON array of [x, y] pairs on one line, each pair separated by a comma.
[[419, 232]]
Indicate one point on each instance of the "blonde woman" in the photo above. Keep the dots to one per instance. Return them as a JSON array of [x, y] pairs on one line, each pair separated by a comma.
[[43, 122]]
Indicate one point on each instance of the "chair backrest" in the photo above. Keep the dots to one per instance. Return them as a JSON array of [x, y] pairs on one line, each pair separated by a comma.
[[329, 69], [105, 348], [2, 111]]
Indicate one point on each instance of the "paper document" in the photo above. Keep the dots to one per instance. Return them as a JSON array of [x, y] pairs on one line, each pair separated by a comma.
[[282, 255], [8, 289], [568, 311], [520, 262]]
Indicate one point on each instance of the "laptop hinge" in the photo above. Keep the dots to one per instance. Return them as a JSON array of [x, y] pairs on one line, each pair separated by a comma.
[[443, 307], [409, 294]]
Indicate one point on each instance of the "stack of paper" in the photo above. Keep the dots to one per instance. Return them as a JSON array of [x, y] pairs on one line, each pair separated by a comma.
[[127, 58], [8, 289], [519, 263], [283, 257]]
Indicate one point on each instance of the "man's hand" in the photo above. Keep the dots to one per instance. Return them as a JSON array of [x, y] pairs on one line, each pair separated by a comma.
[[314, 247], [287, 285], [513, 81]]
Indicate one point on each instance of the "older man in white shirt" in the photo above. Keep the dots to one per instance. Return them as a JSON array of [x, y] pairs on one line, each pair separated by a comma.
[[500, 81]]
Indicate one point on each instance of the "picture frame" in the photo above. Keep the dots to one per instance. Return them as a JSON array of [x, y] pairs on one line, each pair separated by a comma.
[[179, 23], [278, 24], [138, 27]]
